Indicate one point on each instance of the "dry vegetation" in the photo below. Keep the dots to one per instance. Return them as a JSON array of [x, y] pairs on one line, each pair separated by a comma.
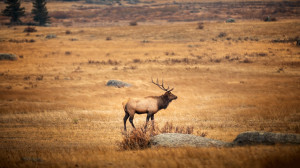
[[139, 138], [55, 109]]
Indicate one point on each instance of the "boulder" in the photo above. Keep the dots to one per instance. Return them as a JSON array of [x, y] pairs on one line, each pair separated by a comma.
[[245, 138], [265, 138], [117, 83], [50, 36], [183, 140], [6, 56]]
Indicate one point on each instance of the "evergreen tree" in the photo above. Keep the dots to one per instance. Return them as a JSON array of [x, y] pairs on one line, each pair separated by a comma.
[[14, 11], [40, 12]]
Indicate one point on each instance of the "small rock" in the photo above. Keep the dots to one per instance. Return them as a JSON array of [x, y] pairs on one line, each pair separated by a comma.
[[6, 56], [117, 83], [230, 20], [51, 36]]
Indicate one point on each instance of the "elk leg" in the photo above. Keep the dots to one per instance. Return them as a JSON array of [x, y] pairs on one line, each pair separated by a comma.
[[152, 119], [125, 120], [131, 121], [147, 119]]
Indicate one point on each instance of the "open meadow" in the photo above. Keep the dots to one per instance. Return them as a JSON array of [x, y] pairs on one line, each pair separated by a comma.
[[56, 110]]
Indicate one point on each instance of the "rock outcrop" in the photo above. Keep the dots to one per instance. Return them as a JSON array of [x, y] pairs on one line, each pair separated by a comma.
[[182, 140], [245, 138], [265, 138]]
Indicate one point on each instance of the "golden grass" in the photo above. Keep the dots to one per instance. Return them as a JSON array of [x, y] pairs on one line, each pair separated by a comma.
[[258, 156], [71, 118]]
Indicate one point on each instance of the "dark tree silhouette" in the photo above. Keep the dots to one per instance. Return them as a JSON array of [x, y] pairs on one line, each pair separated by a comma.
[[14, 11], [40, 12]]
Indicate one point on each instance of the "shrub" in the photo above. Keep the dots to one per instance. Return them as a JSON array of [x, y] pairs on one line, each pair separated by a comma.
[[262, 54], [169, 128], [137, 139], [202, 134], [109, 62], [136, 60], [222, 34], [31, 41], [30, 29], [246, 60], [200, 25], [270, 19], [133, 23], [216, 60]]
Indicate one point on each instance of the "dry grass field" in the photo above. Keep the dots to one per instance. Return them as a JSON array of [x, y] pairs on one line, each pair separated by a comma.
[[56, 110]]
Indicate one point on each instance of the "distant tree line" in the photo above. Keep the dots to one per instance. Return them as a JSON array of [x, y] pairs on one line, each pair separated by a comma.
[[14, 11]]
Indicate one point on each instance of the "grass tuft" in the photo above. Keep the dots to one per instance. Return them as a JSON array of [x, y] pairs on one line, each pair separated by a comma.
[[140, 138], [136, 139]]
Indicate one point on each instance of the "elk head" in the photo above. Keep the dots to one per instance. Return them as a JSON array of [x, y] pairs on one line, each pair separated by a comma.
[[168, 94]]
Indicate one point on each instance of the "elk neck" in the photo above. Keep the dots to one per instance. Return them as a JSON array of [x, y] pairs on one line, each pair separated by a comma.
[[163, 102]]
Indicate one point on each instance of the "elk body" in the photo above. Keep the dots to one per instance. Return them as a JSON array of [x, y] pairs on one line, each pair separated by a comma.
[[149, 105]]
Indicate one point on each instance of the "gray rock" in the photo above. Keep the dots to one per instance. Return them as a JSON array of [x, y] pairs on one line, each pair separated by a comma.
[[47, 25], [265, 138], [5, 56], [245, 138], [181, 140], [230, 20], [50, 36], [117, 83]]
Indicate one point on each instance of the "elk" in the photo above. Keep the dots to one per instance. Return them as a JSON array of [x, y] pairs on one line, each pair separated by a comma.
[[149, 105]]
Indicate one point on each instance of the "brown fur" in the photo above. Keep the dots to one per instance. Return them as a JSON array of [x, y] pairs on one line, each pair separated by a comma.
[[149, 105]]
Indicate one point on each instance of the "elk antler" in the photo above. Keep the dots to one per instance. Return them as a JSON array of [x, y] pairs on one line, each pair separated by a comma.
[[162, 85]]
